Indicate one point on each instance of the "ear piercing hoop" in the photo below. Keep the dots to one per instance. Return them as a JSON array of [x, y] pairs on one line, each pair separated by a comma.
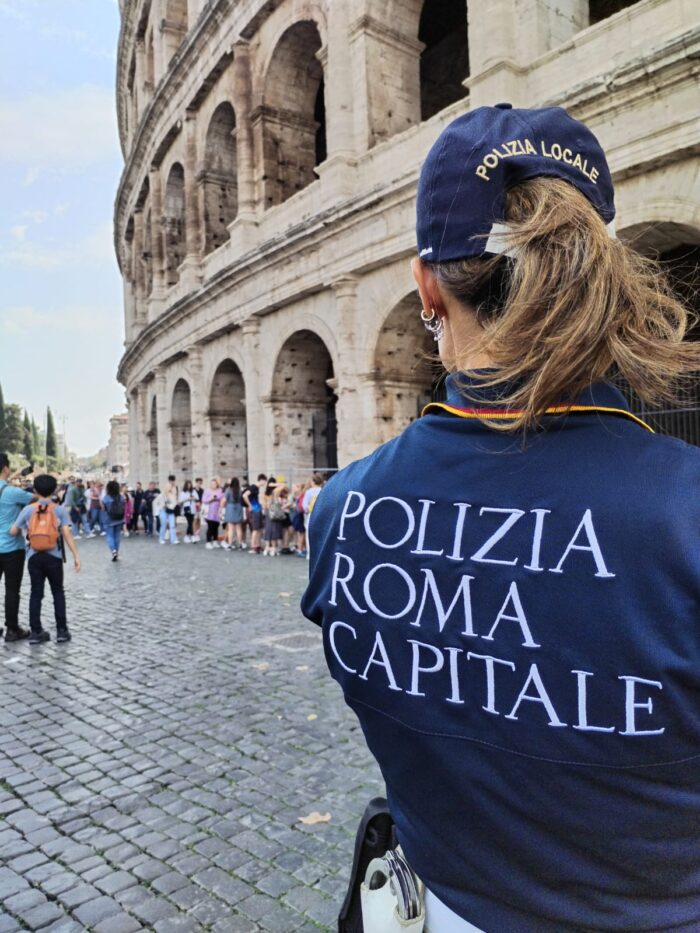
[[433, 323]]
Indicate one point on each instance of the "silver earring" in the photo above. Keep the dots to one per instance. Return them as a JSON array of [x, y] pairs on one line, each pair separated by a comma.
[[433, 323]]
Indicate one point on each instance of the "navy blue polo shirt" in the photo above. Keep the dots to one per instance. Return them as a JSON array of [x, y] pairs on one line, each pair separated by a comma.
[[517, 628]]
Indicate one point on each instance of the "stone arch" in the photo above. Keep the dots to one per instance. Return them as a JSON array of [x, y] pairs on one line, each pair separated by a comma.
[[406, 376], [303, 403], [219, 177], [227, 419], [181, 430], [174, 26], [676, 246], [130, 248], [293, 113], [152, 435], [444, 62], [174, 223], [602, 9]]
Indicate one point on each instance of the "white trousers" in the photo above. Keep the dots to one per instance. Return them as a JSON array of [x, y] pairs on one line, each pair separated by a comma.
[[440, 919]]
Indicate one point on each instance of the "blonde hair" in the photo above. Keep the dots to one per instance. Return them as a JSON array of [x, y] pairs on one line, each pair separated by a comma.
[[572, 307]]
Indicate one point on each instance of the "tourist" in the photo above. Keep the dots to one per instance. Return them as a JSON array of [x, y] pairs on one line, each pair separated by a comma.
[[128, 510], [211, 510], [254, 515], [136, 510], [297, 519], [199, 492], [147, 507], [188, 501], [168, 514], [77, 504], [48, 528], [510, 589], [94, 507], [233, 515], [113, 516], [12, 552]]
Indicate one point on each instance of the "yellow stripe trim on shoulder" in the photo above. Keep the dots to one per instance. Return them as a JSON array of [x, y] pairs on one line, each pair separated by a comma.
[[482, 414]]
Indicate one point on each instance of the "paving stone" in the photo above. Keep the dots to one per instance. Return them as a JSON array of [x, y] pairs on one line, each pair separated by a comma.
[[169, 776], [42, 915], [95, 911]]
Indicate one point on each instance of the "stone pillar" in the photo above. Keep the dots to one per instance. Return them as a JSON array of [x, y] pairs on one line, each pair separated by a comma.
[[504, 38], [139, 78], [385, 81], [241, 94], [141, 315], [134, 407], [257, 438], [356, 406], [201, 428], [160, 63], [165, 455], [338, 76], [157, 237]]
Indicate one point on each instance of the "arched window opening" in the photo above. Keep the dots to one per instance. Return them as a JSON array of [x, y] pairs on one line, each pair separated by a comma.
[[152, 435], [130, 252], [219, 177], [174, 223], [181, 430], [602, 9], [304, 405], [407, 377], [293, 114], [174, 26], [677, 248], [227, 418], [444, 63]]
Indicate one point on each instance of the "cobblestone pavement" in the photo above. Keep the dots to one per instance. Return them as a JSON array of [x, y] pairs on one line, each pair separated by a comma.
[[153, 771]]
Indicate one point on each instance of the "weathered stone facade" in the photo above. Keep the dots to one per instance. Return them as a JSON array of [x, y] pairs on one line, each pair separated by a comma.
[[118, 446], [265, 217]]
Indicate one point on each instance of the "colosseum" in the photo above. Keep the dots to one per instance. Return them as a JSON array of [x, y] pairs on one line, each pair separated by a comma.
[[265, 217]]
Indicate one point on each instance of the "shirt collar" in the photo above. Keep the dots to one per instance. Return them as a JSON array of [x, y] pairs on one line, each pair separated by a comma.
[[465, 391]]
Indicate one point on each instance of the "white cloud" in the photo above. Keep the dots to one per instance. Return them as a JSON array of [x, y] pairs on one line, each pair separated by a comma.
[[64, 130], [23, 320], [96, 247], [37, 217]]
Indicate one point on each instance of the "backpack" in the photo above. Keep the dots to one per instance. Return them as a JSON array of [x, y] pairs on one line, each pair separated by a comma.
[[42, 529], [116, 508], [276, 511]]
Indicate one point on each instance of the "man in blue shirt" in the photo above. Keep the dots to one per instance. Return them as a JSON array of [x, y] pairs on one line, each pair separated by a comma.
[[12, 500]]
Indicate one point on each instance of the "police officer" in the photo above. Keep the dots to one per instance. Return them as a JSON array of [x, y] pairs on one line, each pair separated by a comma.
[[517, 625]]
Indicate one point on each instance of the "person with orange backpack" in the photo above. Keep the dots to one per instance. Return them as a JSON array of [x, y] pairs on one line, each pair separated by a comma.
[[48, 528]]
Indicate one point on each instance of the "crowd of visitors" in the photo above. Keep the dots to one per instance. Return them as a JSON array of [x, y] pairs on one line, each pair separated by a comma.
[[267, 517]]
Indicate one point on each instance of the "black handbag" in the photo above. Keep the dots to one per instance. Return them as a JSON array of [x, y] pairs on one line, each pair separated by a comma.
[[376, 834]]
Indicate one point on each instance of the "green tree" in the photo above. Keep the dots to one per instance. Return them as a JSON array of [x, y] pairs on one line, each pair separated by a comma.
[[36, 438], [51, 445], [27, 443], [14, 433]]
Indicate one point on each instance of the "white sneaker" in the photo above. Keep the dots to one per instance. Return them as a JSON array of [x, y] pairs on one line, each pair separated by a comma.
[[161, 541], [244, 547], [209, 545], [103, 534], [215, 544], [186, 539], [175, 541]]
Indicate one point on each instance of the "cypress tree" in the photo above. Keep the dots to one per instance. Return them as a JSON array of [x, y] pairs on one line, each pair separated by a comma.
[[51, 446], [27, 443], [36, 438]]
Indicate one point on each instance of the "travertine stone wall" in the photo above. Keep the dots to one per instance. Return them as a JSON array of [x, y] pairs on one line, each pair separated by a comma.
[[265, 217]]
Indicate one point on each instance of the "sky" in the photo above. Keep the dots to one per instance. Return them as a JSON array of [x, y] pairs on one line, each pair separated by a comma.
[[61, 317]]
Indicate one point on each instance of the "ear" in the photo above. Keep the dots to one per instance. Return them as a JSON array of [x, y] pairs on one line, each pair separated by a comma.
[[427, 287]]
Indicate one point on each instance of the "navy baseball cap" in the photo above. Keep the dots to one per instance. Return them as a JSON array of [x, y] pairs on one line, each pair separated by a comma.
[[483, 153]]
